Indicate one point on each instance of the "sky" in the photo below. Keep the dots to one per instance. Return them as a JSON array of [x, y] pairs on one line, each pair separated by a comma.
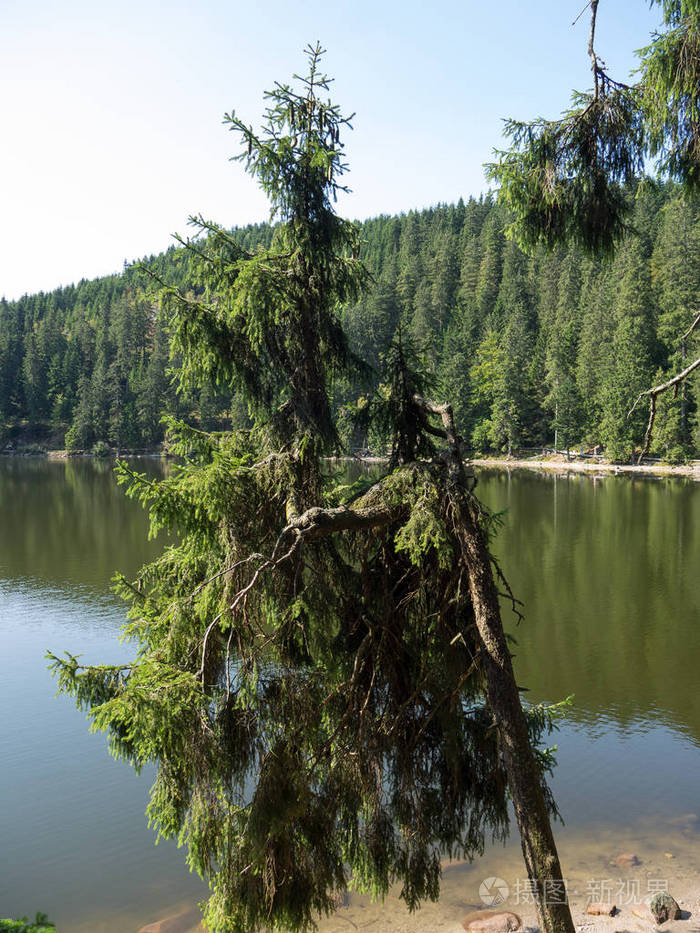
[[111, 112]]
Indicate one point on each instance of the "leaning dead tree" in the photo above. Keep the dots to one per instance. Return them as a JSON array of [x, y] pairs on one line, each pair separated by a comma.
[[321, 674], [674, 383]]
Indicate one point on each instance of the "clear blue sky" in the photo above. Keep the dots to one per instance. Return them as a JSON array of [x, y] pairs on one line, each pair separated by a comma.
[[111, 112]]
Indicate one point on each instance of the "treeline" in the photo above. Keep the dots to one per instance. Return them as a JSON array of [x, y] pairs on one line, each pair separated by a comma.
[[89, 365], [547, 349]]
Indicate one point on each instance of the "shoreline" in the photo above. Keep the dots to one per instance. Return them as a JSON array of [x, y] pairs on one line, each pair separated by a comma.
[[562, 465], [556, 464], [614, 865], [58, 454], [559, 464]]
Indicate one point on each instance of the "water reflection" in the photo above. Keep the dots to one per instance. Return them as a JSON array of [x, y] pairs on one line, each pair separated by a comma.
[[74, 837], [611, 592], [606, 566], [68, 523], [607, 570]]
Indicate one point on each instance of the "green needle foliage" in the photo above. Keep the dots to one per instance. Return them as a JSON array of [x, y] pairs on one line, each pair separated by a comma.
[[395, 412], [40, 924], [670, 84], [565, 180], [266, 323], [307, 677]]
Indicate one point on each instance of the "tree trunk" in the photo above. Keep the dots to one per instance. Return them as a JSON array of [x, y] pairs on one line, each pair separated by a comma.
[[539, 849], [684, 402], [503, 697]]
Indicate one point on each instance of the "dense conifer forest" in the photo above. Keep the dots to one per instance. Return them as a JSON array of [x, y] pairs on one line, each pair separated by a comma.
[[548, 349]]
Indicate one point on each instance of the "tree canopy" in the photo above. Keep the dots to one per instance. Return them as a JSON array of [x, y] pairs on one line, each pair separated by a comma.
[[520, 343]]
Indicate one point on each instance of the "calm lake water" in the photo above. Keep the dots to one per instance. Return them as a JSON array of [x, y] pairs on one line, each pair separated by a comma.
[[607, 569]]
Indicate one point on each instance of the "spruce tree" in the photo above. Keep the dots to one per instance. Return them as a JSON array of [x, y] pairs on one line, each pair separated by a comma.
[[630, 366], [321, 676], [562, 346], [676, 272]]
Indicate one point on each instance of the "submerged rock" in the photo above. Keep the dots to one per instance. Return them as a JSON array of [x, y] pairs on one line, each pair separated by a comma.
[[490, 921], [179, 923], [663, 907], [626, 860], [341, 899]]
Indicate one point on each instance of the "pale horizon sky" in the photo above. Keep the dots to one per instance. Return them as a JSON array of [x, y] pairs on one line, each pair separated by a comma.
[[111, 113]]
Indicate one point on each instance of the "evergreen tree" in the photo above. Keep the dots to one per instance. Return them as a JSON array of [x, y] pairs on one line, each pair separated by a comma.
[[322, 678], [108, 334], [630, 365], [567, 180], [562, 350], [676, 271]]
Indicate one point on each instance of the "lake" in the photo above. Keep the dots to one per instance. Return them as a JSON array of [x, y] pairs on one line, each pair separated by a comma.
[[607, 568]]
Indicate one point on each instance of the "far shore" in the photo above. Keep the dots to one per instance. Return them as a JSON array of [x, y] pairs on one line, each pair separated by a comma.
[[559, 464], [56, 454], [556, 463]]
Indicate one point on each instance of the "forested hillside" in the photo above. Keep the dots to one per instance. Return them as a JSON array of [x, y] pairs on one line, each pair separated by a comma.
[[531, 350]]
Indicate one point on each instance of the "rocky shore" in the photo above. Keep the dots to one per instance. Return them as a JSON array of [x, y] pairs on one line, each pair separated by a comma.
[[611, 890]]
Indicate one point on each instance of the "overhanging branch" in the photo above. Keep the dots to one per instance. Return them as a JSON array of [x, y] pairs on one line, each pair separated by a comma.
[[691, 328]]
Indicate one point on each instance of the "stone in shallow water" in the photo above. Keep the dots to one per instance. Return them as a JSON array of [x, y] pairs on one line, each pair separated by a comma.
[[626, 860], [490, 921], [179, 923], [601, 910], [664, 907]]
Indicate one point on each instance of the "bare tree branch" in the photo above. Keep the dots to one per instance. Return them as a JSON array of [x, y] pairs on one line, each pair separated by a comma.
[[591, 50], [453, 454], [691, 328], [581, 13], [656, 391]]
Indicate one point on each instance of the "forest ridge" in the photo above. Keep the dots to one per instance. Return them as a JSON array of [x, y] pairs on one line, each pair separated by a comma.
[[530, 349]]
